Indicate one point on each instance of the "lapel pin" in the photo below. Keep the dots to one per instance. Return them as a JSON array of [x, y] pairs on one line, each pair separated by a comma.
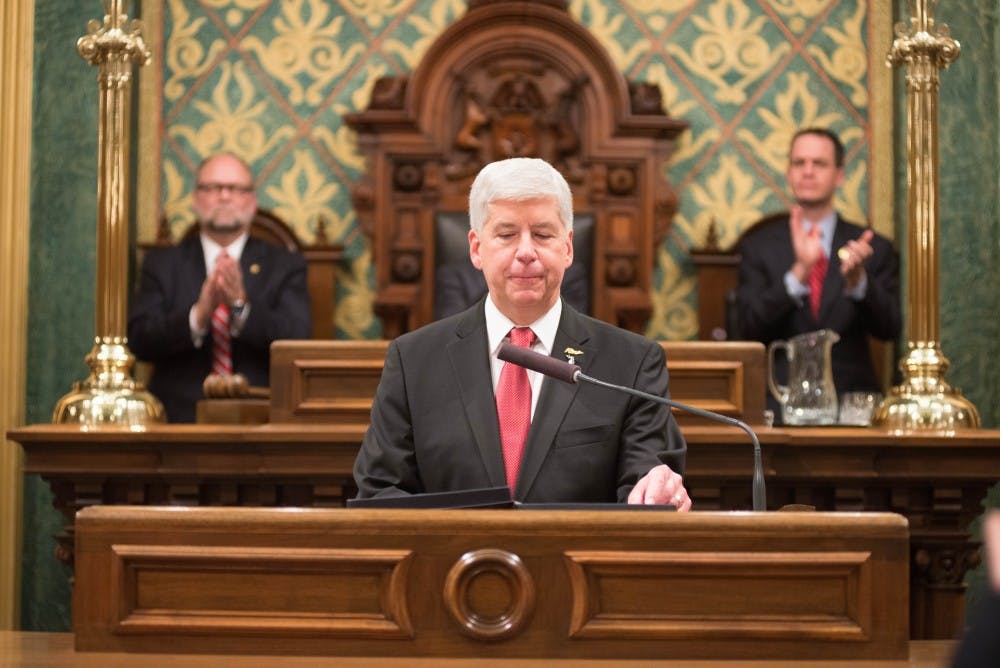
[[572, 354], [255, 268]]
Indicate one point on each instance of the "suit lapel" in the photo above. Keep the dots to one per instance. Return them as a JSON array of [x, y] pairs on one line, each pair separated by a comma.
[[192, 275], [250, 264], [470, 362], [554, 400]]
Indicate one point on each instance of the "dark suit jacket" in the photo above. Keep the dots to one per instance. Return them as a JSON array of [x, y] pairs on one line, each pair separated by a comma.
[[980, 644], [767, 312], [158, 329], [459, 285], [434, 424]]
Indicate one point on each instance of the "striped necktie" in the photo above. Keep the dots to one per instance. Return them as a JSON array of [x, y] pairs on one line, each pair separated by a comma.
[[816, 277], [222, 354]]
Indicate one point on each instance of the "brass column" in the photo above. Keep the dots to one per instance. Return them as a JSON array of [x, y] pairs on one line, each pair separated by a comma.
[[924, 401], [110, 396]]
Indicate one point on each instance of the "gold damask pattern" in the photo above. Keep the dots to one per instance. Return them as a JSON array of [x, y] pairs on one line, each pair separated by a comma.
[[271, 81]]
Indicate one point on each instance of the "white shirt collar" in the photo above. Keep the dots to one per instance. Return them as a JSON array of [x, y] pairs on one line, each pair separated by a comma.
[[211, 249], [498, 326]]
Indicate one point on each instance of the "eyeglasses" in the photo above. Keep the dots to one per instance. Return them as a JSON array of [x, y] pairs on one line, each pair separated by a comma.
[[218, 188]]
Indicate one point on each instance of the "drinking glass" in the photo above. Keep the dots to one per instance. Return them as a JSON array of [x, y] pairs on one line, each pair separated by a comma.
[[857, 408]]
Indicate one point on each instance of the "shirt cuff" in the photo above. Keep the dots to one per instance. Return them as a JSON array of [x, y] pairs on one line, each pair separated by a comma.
[[197, 335], [237, 322], [858, 292], [795, 290]]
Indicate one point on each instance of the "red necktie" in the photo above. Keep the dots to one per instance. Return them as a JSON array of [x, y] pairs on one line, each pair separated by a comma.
[[514, 407], [816, 277], [222, 355]]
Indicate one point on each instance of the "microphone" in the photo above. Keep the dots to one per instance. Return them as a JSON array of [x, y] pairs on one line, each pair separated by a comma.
[[571, 373]]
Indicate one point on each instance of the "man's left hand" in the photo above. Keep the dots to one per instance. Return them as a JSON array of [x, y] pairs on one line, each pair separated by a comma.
[[661, 486], [852, 258]]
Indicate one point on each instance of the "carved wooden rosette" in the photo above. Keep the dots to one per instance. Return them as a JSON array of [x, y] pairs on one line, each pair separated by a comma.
[[513, 79], [490, 594]]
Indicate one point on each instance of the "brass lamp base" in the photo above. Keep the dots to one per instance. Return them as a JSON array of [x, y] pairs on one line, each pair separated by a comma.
[[924, 401], [904, 411], [109, 396]]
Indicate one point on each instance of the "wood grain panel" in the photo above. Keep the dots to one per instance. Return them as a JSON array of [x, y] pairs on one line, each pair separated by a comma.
[[712, 595], [162, 589], [335, 381]]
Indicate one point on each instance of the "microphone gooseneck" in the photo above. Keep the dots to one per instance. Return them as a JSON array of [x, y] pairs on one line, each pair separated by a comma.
[[570, 373]]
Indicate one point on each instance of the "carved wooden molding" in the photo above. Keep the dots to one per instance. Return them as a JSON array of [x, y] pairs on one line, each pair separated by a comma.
[[473, 617]]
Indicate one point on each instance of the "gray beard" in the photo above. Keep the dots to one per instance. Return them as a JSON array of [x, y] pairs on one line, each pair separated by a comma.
[[215, 227], [212, 226]]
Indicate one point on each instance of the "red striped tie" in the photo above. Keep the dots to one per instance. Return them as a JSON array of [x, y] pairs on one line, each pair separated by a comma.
[[816, 277], [514, 407], [222, 354]]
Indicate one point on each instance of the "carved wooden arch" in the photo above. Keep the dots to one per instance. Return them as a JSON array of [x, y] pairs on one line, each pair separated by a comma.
[[514, 78]]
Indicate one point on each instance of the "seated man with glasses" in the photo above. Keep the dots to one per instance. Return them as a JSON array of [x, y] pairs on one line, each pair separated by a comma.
[[216, 301]]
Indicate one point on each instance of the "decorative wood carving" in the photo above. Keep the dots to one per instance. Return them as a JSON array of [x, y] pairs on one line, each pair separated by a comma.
[[514, 79]]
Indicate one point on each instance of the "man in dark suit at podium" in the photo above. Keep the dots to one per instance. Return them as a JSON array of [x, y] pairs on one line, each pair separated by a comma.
[[449, 415], [215, 302]]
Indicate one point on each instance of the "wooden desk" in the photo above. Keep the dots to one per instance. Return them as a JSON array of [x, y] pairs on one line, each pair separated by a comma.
[[936, 482], [509, 584]]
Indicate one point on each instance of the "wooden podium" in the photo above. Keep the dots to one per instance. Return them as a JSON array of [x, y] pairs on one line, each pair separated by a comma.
[[322, 393], [508, 584]]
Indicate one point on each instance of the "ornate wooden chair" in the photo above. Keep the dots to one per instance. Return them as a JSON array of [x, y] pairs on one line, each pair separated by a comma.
[[514, 78]]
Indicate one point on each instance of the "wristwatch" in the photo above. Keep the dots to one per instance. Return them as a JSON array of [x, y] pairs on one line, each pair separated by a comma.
[[237, 308]]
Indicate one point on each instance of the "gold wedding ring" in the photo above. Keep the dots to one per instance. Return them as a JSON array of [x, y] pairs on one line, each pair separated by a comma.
[[843, 253]]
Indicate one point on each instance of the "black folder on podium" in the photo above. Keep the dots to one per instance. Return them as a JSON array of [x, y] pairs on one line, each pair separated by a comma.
[[486, 497]]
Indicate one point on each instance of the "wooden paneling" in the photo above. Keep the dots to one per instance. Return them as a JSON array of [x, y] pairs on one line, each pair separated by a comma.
[[838, 606], [260, 590], [625, 585], [335, 381], [325, 381]]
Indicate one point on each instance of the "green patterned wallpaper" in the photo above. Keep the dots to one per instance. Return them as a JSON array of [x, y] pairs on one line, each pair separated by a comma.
[[970, 228], [253, 76], [970, 233], [272, 80]]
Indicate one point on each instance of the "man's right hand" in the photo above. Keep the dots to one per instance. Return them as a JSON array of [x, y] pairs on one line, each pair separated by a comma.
[[807, 246], [208, 299]]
